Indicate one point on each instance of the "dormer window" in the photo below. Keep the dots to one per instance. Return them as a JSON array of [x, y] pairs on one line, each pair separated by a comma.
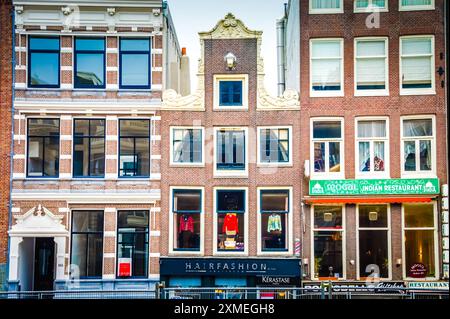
[[231, 92]]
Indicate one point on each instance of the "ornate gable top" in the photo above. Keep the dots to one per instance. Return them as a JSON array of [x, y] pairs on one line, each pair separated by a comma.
[[230, 28]]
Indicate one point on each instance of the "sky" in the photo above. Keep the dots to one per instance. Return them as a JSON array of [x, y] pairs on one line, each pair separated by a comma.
[[193, 16]]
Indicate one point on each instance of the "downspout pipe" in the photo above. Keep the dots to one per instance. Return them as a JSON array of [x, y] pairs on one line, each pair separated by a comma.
[[281, 56]]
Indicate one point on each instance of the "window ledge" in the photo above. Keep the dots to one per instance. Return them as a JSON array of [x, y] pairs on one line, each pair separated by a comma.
[[174, 165], [372, 176], [272, 165], [424, 8], [334, 94], [370, 10], [326, 11], [370, 93], [327, 176], [417, 92]]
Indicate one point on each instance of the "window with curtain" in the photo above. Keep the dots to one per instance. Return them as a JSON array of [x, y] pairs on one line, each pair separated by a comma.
[[274, 209], [134, 148], [274, 145], [230, 150], [417, 139], [327, 142], [328, 234], [187, 145], [371, 65], [363, 5], [372, 142], [89, 63], [416, 4], [43, 62], [373, 230], [186, 207], [317, 6], [89, 148], [43, 147], [416, 63], [419, 233], [326, 66]]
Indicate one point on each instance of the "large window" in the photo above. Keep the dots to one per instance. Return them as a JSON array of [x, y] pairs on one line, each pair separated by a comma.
[[230, 150], [230, 93], [43, 148], [230, 209], [371, 5], [187, 145], [326, 6], [326, 153], [186, 208], [327, 68], [132, 243], [43, 62], [134, 148], [87, 242], [419, 240], [371, 67], [89, 63], [373, 243], [417, 64], [135, 63], [274, 145], [89, 148], [372, 146], [274, 210], [412, 5], [418, 145], [328, 234]]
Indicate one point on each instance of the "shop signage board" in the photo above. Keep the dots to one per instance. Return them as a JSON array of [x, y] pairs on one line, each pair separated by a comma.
[[358, 286], [275, 281], [441, 285], [416, 186], [418, 270]]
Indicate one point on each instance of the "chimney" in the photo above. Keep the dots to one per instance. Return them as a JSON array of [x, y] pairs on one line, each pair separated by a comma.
[[185, 76]]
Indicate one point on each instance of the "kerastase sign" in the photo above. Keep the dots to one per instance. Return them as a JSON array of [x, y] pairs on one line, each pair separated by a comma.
[[416, 186]]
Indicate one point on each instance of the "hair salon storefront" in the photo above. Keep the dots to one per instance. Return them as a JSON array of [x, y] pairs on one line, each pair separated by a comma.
[[369, 229], [230, 272]]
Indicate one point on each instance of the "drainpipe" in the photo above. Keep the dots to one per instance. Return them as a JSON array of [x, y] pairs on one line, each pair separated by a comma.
[[281, 55], [166, 44]]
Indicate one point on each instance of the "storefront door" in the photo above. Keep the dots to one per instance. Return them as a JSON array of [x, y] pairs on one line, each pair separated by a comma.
[[44, 264]]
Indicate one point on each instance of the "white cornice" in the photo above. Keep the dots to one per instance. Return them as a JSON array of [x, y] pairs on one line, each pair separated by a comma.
[[230, 28], [90, 3], [107, 197]]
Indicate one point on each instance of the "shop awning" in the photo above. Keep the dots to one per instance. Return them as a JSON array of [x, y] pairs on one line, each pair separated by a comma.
[[368, 200]]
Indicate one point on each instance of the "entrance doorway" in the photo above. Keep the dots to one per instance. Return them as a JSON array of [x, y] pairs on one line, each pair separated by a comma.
[[44, 264]]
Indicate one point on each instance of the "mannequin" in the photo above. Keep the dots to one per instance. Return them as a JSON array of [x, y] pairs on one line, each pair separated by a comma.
[[231, 229], [186, 230]]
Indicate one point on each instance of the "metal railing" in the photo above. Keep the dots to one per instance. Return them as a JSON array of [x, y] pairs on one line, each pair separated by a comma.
[[80, 294]]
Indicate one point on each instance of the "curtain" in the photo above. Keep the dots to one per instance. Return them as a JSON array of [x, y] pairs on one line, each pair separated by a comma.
[[326, 72], [416, 70], [416, 46], [364, 156], [371, 129], [425, 155], [371, 71], [326, 4], [378, 149], [416, 2], [420, 127]]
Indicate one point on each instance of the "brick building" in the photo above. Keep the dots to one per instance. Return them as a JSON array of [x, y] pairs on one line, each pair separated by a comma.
[[86, 173], [5, 130], [373, 126], [230, 171]]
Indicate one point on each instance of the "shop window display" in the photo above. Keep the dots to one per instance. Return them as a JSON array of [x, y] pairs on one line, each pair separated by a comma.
[[274, 212], [187, 209], [231, 228]]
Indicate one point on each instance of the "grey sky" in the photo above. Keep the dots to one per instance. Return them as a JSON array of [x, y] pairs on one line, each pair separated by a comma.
[[193, 16]]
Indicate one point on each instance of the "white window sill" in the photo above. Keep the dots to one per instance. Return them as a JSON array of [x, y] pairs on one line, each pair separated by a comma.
[[418, 175], [367, 93], [327, 176], [187, 165], [274, 253], [370, 10], [230, 175], [417, 92], [271, 165], [230, 108], [372, 176], [416, 8], [326, 11], [184, 253], [327, 94], [230, 254]]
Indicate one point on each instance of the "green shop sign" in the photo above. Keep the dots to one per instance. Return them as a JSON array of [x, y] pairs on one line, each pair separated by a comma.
[[416, 186]]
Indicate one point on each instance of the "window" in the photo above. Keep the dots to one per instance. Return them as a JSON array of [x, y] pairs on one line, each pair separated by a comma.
[[371, 5], [327, 68], [412, 5], [327, 148], [373, 241], [230, 209], [326, 6], [135, 63], [328, 234], [372, 147], [87, 242], [187, 145], [89, 148], [418, 146], [417, 65], [43, 148], [420, 240], [43, 62], [274, 145], [230, 150], [230, 92], [134, 148], [186, 208], [371, 67], [274, 210], [89, 63], [132, 243]]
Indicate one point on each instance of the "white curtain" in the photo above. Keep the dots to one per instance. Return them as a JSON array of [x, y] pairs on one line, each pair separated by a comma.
[[371, 71], [416, 70], [420, 127], [326, 72], [416, 2], [326, 4], [416, 46], [371, 129], [326, 49]]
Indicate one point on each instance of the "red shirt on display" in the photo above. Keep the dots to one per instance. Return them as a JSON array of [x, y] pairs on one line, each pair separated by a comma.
[[230, 223]]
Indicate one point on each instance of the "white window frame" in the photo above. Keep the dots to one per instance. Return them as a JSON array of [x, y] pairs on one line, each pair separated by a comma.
[[172, 250], [371, 140], [436, 242], [389, 240], [417, 173], [230, 77], [384, 92], [415, 8], [217, 252], [344, 241], [259, 129], [371, 7], [289, 232], [327, 174], [418, 91], [326, 10], [218, 173], [313, 93], [172, 130]]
